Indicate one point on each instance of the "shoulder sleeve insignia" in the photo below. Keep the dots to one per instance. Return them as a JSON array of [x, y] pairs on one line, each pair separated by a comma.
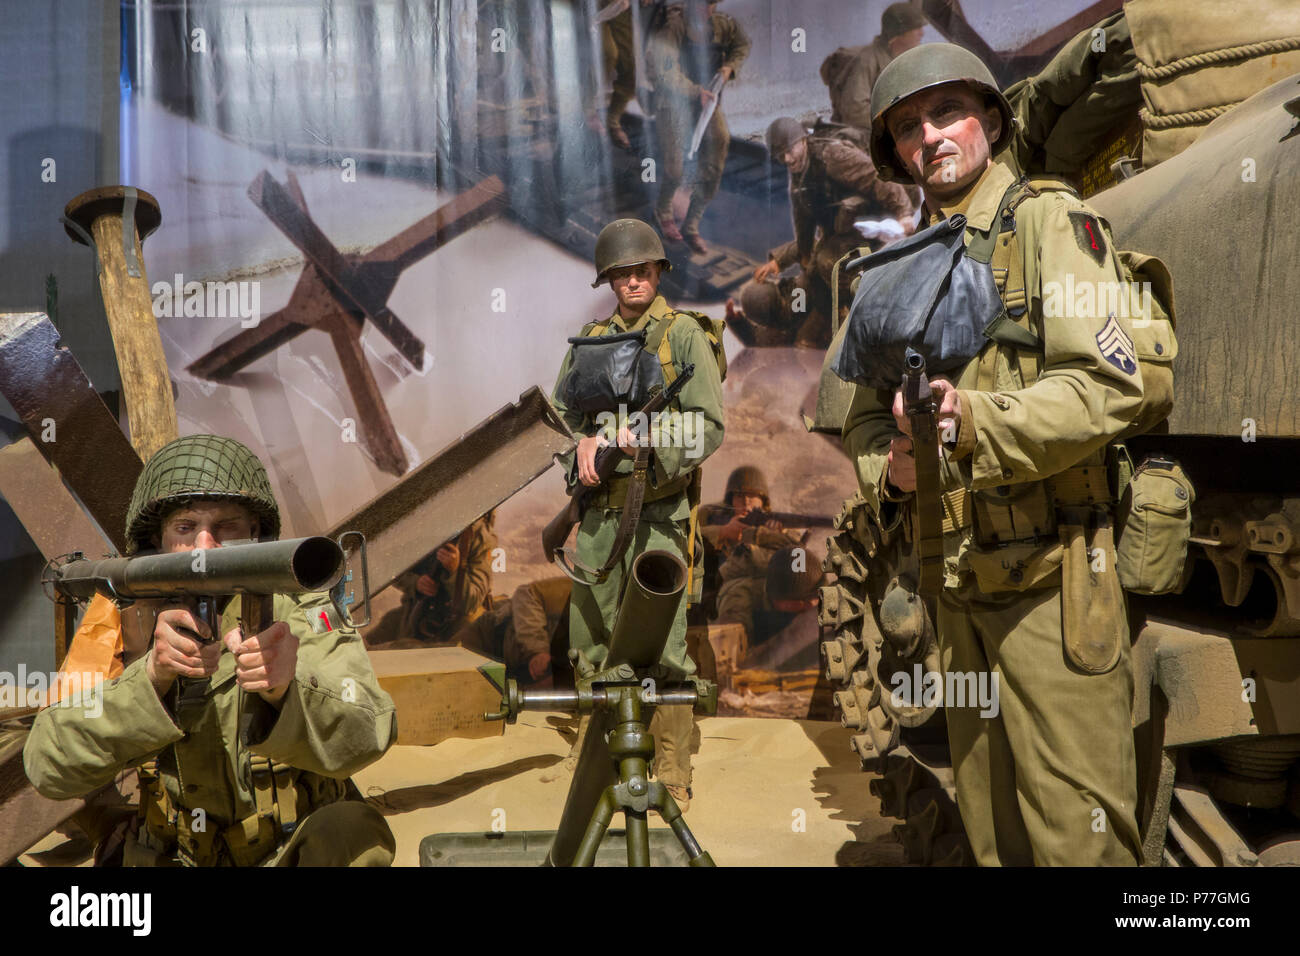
[[1088, 234], [323, 620], [1116, 347]]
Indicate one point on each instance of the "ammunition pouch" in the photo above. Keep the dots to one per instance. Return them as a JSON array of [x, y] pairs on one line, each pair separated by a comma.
[[610, 370], [282, 796], [613, 494], [1155, 523], [1093, 619]]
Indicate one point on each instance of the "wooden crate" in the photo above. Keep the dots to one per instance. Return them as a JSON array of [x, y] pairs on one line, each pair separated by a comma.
[[765, 682], [441, 692]]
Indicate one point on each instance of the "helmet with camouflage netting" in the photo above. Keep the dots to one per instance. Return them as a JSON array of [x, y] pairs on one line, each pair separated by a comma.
[[627, 242], [207, 467], [920, 68]]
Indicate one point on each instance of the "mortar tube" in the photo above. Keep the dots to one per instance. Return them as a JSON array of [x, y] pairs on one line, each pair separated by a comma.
[[655, 590]]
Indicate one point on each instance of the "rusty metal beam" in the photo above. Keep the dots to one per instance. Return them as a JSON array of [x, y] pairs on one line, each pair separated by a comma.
[[468, 478], [357, 292], [44, 505], [335, 293], [53, 397]]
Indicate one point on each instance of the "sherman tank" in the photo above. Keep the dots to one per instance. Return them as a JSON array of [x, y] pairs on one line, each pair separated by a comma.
[[1180, 123]]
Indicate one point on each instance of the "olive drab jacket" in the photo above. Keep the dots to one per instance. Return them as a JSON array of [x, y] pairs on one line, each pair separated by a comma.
[[1017, 446], [849, 74], [333, 721], [838, 185], [681, 62], [680, 443]]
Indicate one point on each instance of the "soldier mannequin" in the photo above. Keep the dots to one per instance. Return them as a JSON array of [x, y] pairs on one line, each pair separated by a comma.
[[833, 182], [692, 43], [850, 72], [1051, 778], [630, 257], [316, 713]]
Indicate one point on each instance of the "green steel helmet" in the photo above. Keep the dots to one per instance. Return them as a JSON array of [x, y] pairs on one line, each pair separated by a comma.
[[627, 242], [900, 18], [920, 68], [199, 467], [783, 133], [749, 480], [784, 583]]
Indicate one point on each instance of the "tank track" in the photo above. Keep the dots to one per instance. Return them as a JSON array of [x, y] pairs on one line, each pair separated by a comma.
[[906, 745]]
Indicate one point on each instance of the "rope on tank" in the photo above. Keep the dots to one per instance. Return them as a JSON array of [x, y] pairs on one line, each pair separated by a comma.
[[1225, 55], [1189, 118]]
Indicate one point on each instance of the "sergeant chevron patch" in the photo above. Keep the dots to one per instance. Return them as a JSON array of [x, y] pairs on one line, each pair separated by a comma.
[[1116, 347]]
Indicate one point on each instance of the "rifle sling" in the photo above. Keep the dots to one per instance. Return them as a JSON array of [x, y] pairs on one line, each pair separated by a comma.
[[631, 515], [929, 517]]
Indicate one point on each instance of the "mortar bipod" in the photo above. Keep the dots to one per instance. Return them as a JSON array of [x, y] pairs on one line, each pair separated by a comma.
[[631, 748]]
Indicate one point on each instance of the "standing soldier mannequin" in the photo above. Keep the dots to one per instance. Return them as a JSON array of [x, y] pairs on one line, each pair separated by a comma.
[[630, 257], [448, 589], [833, 183], [692, 44], [316, 715], [850, 72], [1051, 778]]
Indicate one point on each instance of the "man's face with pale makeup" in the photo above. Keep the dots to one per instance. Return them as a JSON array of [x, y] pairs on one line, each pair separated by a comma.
[[942, 137], [206, 524], [635, 286]]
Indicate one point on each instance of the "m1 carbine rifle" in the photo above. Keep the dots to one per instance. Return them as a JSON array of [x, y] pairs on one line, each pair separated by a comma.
[[789, 519]]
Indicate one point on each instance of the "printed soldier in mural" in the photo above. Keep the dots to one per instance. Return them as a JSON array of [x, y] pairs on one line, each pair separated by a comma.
[[448, 589], [693, 53], [521, 630], [833, 184], [851, 71]]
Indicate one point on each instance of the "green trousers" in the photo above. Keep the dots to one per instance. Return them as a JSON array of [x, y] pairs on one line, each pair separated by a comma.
[[593, 611], [675, 119], [1051, 779], [619, 54]]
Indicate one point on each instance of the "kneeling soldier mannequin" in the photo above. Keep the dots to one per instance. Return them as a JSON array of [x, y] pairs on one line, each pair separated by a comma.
[[1051, 778], [315, 713], [630, 257]]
